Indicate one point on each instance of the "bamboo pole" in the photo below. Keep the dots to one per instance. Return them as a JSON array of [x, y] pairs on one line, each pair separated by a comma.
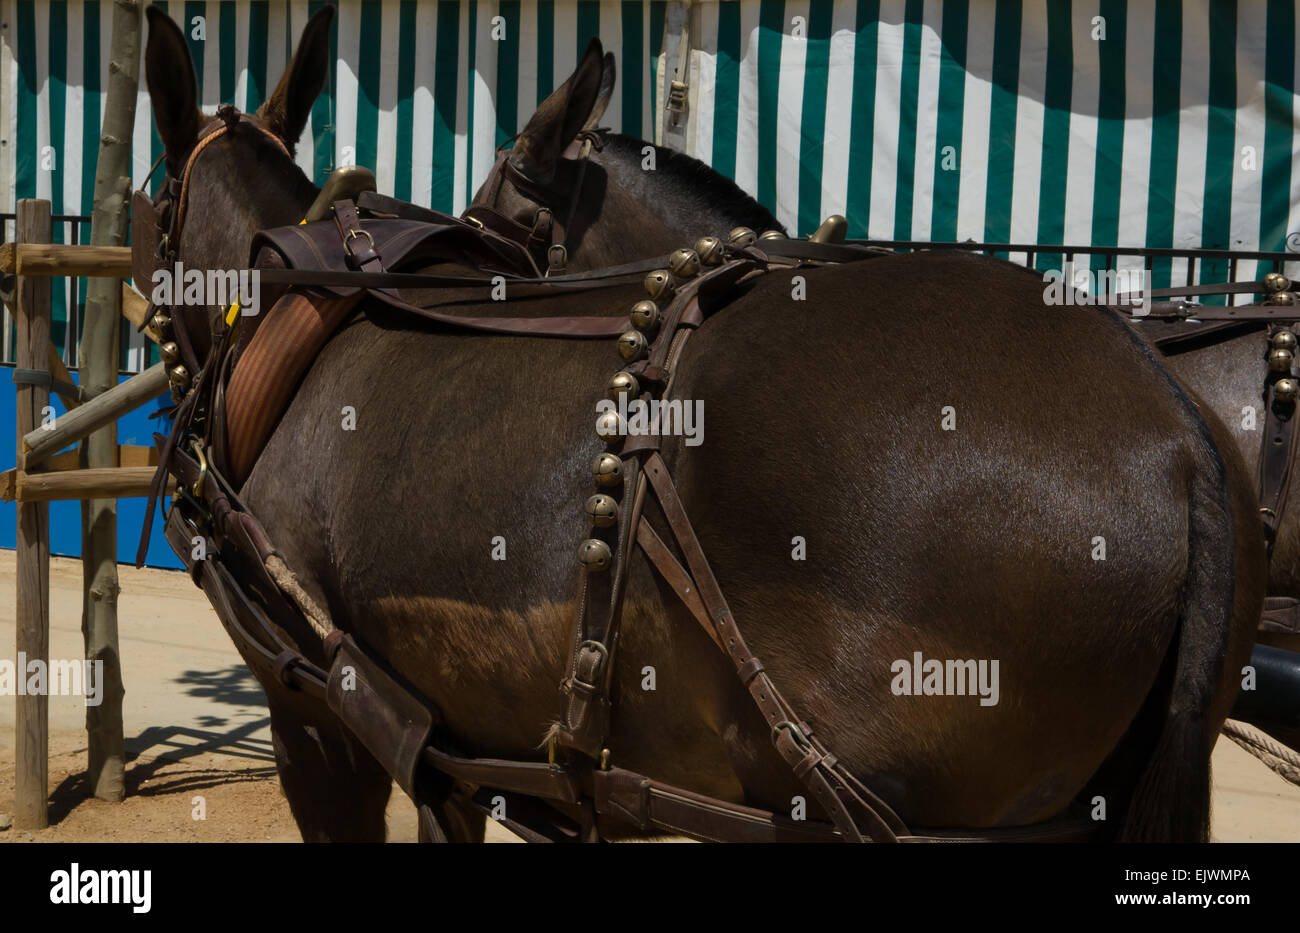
[[32, 740], [38, 445]]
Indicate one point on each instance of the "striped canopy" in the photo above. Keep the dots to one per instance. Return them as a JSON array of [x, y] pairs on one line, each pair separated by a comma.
[[1112, 122]]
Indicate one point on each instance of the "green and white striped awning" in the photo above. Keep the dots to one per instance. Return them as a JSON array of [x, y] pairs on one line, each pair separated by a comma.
[[1112, 122]]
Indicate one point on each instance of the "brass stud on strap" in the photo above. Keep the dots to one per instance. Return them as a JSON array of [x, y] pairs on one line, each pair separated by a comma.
[[645, 316], [621, 384], [1286, 390], [710, 250], [1280, 360], [742, 237], [1276, 282], [602, 510], [660, 284], [595, 555], [607, 470], [684, 263], [632, 346]]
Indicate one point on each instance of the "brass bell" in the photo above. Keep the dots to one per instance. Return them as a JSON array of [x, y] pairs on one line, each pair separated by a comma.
[[161, 321], [595, 554], [660, 284], [170, 353], [622, 383], [1281, 298], [632, 346], [684, 263], [772, 235], [1286, 390], [1284, 340], [610, 427], [645, 316], [178, 376], [710, 250], [742, 237], [1276, 282], [1280, 360], [607, 469], [602, 510]]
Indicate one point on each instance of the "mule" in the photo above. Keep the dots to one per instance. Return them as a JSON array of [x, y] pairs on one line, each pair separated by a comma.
[[825, 426]]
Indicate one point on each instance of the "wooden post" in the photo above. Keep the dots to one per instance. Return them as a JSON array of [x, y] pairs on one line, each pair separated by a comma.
[[99, 343], [32, 741]]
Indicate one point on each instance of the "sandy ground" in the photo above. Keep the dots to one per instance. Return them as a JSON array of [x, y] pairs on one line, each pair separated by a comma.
[[197, 726]]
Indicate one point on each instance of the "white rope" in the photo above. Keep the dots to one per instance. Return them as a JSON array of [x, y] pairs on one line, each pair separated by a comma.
[[1281, 759]]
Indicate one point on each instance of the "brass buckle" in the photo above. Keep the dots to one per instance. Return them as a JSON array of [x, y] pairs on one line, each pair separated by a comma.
[[352, 234], [197, 489], [551, 262]]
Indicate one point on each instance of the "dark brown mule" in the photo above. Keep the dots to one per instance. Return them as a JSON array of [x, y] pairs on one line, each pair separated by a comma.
[[825, 423]]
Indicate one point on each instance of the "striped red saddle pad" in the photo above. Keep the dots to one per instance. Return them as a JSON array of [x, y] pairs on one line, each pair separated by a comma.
[[268, 372]]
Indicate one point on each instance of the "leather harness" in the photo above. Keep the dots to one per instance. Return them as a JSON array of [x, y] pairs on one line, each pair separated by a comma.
[[257, 598]]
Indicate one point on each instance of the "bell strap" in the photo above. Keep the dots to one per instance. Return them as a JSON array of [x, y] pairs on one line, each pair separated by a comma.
[[1277, 451]]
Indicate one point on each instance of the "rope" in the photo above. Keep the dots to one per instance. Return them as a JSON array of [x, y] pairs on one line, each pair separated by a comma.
[[285, 579], [1278, 757]]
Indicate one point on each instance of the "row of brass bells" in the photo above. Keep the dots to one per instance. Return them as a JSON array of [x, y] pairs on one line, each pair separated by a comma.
[[177, 374], [1280, 357], [607, 470]]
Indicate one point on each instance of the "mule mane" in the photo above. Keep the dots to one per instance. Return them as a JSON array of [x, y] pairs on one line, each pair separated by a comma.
[[684, 191]]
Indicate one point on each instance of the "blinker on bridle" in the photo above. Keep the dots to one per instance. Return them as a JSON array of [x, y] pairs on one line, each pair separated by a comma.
[[545, 238]]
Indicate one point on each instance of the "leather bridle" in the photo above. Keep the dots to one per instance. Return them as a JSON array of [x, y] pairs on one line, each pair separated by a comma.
[[544, 240]]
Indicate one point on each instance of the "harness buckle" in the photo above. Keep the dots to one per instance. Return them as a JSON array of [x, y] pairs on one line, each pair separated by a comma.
[[352, 234], [557, 257]]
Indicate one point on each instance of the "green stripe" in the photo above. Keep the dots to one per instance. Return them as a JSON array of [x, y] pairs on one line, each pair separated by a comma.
[[508, 72], [771, 24], [1108, 171], [908, 102], [588, 23], [155, 141], [658, 13], [90, 112], [1221, 140], [726, 90], [1279, 91], [948, 120], [469, 104], [1002, 122], [26, 158], [447, 74], [812, 116], [259, 13], [545, 49], [1166, 65], [367, 138], [633, 65], [862, 120], [227, 38], [406, 41], [322, 111], [1056, 132], [58, 110]]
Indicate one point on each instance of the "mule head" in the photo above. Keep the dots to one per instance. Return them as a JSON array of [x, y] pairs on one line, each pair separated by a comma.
[[243, 180], [631, 200]]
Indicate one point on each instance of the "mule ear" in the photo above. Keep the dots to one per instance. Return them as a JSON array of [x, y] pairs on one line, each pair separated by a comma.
[[173, 89], [607, 78], [561, 117], [285, 112]]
